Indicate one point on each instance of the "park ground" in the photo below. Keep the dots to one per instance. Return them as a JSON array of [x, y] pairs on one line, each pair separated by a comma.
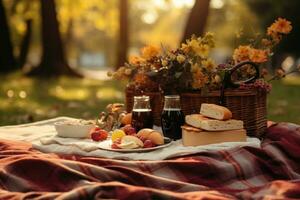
[[24, 99]]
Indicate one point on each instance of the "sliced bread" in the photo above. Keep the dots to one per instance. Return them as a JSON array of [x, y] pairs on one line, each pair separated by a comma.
[[198, 121], [215, 111]]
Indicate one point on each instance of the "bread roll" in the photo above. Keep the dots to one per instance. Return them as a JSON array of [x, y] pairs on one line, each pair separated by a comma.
[[215, 111], [192, 136], [126, 119], [144, 133], [156, 138], [150, 134]]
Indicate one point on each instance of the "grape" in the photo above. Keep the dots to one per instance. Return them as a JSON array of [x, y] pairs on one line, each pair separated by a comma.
[[148, 144]]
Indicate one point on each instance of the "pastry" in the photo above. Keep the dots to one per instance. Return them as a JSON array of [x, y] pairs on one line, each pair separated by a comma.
[[130, 142], [150, 134]]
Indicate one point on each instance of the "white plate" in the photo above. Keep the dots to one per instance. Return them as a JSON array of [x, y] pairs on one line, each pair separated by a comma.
[[106, 145]]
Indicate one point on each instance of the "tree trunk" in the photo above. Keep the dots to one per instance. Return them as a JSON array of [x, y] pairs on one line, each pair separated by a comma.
[[7, 59], [123, 33], [53, 62], [25, 44], [197, 19]]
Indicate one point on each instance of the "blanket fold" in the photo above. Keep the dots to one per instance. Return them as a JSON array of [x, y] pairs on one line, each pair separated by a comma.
[[272, 171]]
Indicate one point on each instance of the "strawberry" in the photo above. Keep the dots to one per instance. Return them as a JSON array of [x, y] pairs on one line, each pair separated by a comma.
[[95, 135], [99, 135]]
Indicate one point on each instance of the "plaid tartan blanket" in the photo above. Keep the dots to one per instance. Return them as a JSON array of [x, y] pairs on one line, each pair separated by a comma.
[[269, 172]]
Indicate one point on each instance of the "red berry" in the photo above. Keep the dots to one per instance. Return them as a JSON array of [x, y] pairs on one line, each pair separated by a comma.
[[97, 129], [115, 146], [148, 144], [95, 136], [103, 135]]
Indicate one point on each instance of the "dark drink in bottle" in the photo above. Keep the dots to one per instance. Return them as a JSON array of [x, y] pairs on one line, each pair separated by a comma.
[[172, 117], [141, 113], [142, 118]]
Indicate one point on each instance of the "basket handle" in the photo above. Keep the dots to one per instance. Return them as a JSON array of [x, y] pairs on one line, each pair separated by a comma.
[[227, 81]]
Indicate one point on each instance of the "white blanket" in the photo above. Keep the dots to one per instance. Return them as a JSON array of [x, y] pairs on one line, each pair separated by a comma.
[[43, 137]]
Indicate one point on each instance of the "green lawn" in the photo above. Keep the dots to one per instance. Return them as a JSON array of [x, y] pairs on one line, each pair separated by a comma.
[[25, 99]]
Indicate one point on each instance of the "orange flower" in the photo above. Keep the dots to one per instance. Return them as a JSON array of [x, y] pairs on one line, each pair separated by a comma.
[[150, 51], [241, 53], [135, 60], [199, 79], [258, 56], [280, 26]]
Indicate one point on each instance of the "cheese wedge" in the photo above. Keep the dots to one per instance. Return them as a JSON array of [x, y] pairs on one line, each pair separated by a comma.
[[192, 136]]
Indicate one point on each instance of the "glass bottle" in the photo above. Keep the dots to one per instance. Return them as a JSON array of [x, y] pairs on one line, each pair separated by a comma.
[[141, 113], [172, 117]]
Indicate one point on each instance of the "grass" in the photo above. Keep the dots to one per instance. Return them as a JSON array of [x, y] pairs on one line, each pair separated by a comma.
[[24, 99]]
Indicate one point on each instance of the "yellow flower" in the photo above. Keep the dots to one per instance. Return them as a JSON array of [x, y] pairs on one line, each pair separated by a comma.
[[194, 67], [241, 53], [209, 39], [150, 51], [209, 64], [202, 50], [258, 56], [171, 55], [180, 58], [127, 72], [217, 79], [164, 63], [280, 26], [193, 43], [185, 48]]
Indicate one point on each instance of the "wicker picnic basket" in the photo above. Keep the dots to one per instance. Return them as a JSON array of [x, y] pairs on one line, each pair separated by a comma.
[[246, 105]]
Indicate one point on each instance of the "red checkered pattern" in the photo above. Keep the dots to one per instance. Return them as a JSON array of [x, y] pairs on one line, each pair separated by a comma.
[[270, 172]]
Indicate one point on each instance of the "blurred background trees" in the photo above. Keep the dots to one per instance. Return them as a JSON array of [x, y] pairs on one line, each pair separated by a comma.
[[99, 34], [56, 37]]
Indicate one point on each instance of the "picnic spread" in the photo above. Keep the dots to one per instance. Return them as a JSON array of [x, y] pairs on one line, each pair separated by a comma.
[[269, 171], [188, 130]]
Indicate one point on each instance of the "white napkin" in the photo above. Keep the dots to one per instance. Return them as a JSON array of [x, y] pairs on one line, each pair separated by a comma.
[[42, 135]]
